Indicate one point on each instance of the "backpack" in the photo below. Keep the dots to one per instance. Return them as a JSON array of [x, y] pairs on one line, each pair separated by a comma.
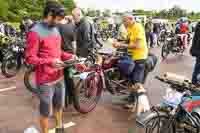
[[184, 28]]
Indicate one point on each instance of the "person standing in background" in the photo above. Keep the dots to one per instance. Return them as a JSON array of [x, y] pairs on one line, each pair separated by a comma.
[[85, 36], [66, 29], [195, 52], [148, 33], [44, 52]]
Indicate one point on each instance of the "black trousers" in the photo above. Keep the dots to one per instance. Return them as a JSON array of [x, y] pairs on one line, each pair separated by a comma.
[[69, 87]]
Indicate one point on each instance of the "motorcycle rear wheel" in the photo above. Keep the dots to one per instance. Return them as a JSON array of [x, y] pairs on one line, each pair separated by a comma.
[[165, 51]]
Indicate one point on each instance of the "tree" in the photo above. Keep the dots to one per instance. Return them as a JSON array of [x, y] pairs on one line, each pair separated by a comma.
[[91, 12], [98, 13], [107, 13], [69, 5], [163, 13], [4, 10], [176, 11]]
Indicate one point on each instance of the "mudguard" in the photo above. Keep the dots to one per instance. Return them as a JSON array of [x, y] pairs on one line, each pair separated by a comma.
[[143, 119]]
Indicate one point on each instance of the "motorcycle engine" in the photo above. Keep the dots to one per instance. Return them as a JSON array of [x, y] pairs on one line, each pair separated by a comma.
[[114, 74]]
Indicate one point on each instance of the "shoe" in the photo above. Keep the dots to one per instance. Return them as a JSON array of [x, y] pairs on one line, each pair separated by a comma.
[[60, 130]]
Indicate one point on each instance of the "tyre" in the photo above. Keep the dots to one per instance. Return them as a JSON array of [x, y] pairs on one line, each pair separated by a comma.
[[29, 80], [11, 66], [87, 93], [160, 124], [104, 37], [165, 51], [161, 40]]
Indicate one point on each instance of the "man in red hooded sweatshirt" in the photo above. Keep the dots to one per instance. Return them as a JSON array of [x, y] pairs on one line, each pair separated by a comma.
[[44, 52]]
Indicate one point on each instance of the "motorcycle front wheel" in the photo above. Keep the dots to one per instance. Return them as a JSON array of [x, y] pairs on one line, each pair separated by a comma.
[[11, 65], [87, 93]]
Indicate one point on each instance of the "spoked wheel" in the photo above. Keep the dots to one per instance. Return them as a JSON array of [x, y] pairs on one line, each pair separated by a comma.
[[165, 51], [10, 66], [160, 124], [104, 37], [87, 93], [29, 80]]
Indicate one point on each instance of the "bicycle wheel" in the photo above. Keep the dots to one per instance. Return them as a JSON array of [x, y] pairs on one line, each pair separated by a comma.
[[165, 51], [87, 93], [160, 124], [10, 66], [29, 81]]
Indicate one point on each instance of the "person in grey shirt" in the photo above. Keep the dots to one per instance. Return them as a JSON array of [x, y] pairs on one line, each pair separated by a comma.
[[67, 31]]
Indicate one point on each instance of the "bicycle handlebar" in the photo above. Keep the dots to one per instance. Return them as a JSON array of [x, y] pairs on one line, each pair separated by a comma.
[[186, 85], [73, 61]]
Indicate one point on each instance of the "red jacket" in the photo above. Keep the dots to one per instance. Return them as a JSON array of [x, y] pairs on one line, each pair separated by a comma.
[[43, 47]]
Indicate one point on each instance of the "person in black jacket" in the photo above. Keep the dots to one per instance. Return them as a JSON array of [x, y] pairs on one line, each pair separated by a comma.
[[85, 37], [195, 52], [66, 29]]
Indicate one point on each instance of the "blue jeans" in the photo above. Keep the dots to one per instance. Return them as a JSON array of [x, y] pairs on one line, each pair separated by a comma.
[[196, 71]]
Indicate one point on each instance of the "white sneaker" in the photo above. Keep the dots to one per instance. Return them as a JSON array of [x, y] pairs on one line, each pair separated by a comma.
[[31, 130]]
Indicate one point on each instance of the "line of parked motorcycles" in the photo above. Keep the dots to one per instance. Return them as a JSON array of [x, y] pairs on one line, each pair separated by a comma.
[[169, 42], [173, 44], [11, 54]]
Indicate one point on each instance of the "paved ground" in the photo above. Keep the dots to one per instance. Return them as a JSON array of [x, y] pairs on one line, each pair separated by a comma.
[[18, 111]]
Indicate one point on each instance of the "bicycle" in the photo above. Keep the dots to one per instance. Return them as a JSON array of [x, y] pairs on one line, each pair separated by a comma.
[[179, 111]]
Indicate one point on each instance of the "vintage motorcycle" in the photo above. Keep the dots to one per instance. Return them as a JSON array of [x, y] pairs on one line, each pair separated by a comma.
[[172, 44], [111, 77], [14, 58]]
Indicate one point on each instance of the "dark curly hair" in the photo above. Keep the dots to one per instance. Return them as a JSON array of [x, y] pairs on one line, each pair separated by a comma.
[[53, 8]]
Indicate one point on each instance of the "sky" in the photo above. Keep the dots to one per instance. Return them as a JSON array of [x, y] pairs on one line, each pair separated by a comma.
[[190, 5]]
